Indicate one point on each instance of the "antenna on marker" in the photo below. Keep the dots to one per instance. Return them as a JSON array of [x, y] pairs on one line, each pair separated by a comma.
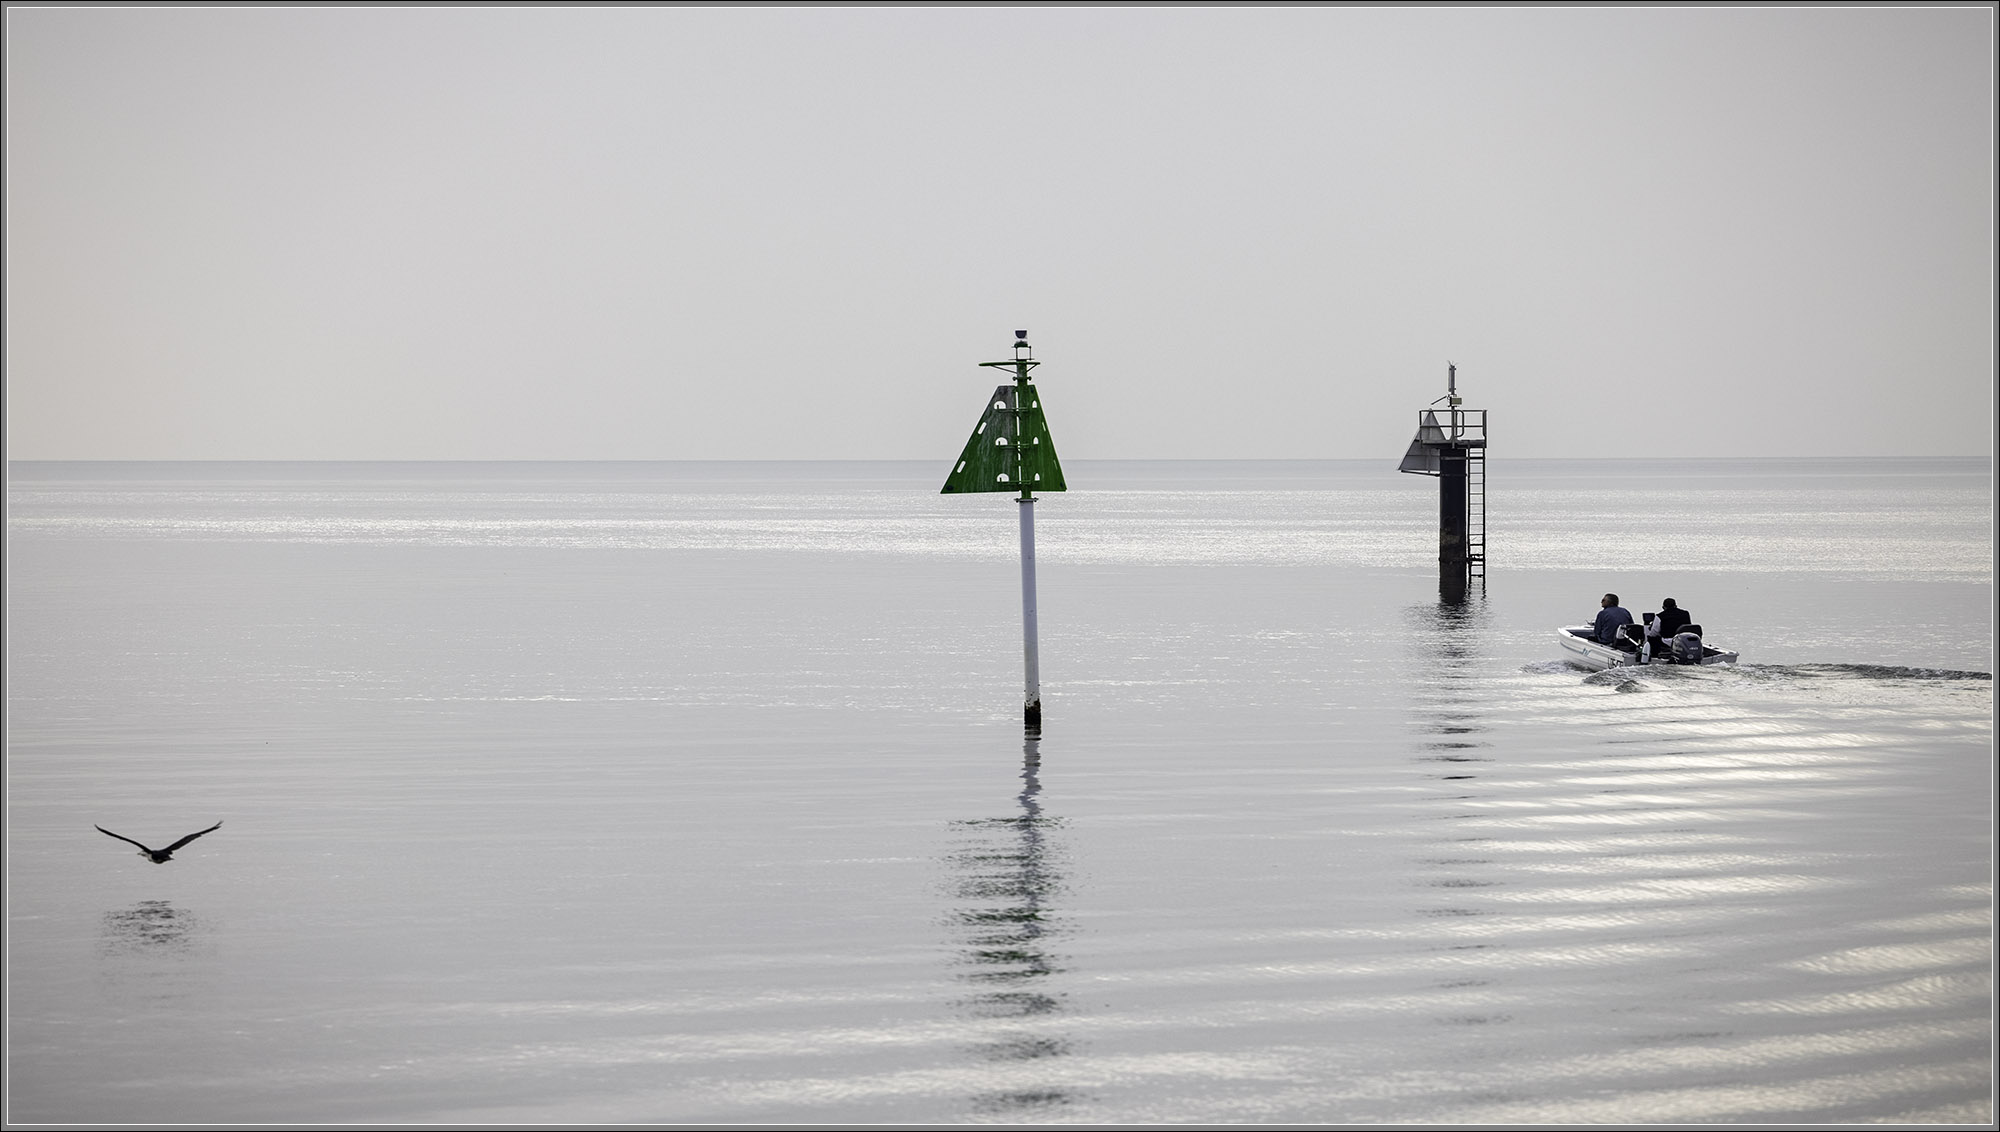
[[1450, 385]]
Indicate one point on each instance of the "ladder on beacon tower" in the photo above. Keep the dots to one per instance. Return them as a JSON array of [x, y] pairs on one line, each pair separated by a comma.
[[1475, 505]]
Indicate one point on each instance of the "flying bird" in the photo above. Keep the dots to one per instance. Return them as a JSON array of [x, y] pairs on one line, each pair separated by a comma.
[[158, 856]]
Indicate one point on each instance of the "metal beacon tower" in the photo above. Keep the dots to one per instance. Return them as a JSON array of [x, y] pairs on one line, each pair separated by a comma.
[[1454, 450]]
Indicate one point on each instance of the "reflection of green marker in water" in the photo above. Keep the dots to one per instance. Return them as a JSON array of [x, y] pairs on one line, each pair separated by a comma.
[[1011, 449]]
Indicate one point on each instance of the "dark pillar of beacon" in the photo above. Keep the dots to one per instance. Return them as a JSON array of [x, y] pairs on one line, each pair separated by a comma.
[[1452, 520]]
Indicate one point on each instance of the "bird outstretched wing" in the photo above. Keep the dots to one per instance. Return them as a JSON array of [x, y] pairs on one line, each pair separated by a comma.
[[190, 837], [124, 838]]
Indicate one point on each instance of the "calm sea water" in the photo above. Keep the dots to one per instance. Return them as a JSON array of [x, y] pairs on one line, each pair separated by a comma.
[[697, 793]]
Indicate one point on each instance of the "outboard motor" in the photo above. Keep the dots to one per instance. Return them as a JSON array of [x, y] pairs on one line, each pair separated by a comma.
[[1687, 645]]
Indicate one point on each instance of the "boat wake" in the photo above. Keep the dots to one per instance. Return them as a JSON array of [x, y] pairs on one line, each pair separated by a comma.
[[1883, 673], [1548, 667], [1862, 672], [1851, 686]]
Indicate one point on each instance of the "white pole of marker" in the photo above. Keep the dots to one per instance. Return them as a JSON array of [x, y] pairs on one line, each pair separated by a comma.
[[1031, 710], [1033, 701]]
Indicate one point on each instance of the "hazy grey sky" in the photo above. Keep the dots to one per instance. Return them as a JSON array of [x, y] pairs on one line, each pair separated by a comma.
[[637, 233]]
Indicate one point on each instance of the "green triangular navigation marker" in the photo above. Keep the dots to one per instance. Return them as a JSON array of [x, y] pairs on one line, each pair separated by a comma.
[[997, 460]]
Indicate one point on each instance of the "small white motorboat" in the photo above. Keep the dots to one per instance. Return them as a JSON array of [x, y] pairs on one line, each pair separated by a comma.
[[1581, 646]]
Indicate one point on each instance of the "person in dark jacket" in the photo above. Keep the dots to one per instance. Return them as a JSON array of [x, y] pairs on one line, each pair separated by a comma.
[[1611, 621], [1672, 619]]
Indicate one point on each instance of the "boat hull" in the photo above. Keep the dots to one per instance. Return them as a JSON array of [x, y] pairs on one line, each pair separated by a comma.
[[1580, 648]]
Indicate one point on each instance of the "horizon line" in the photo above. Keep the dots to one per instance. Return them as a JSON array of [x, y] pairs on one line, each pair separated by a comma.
[[1389, 458]]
